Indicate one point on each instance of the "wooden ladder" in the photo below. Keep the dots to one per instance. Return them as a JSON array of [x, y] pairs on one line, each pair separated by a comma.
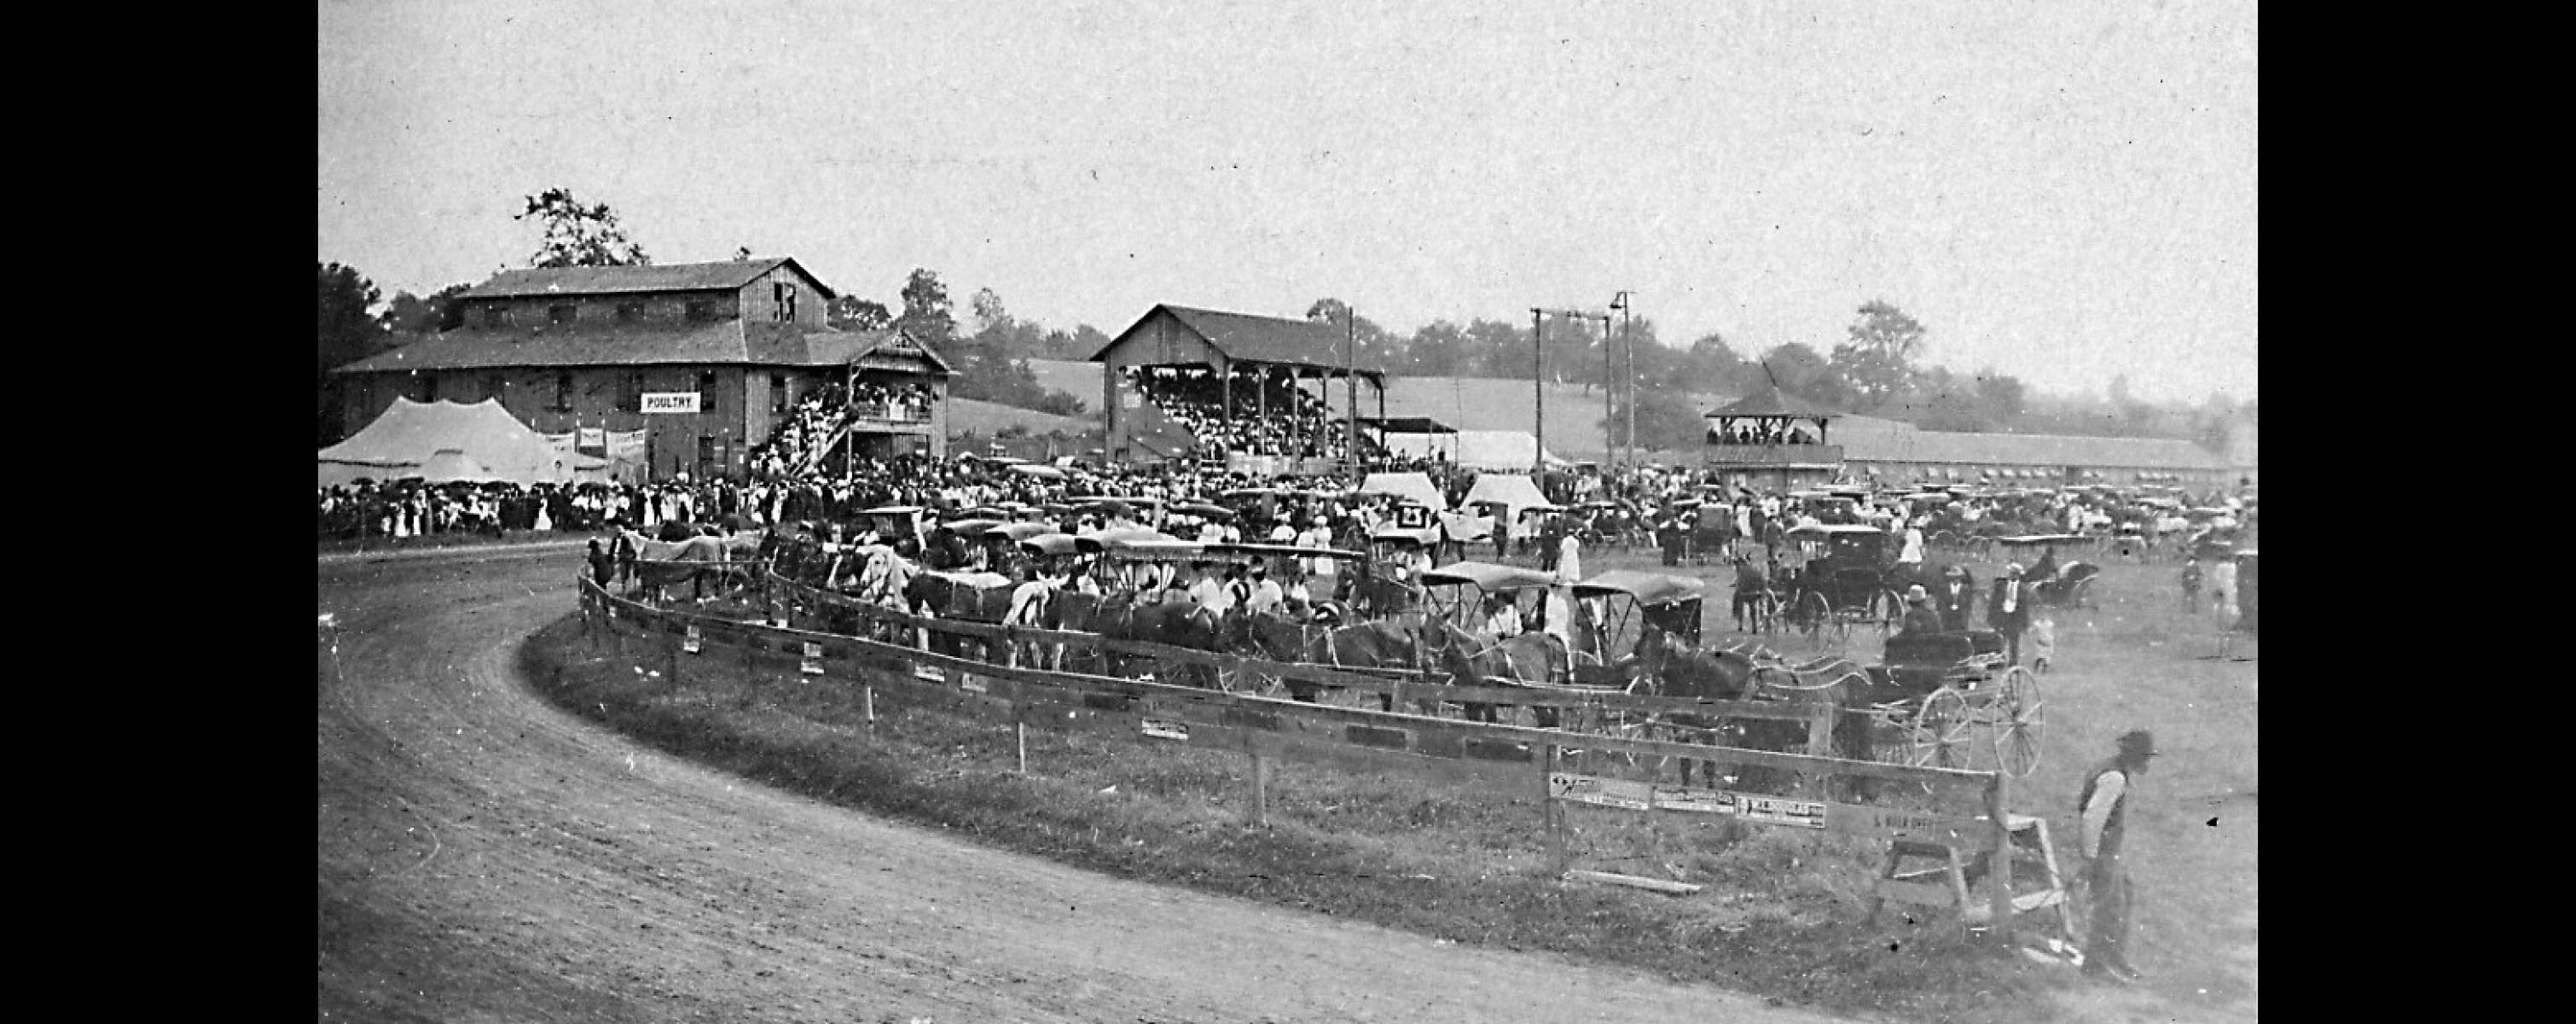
[[1947, 881]]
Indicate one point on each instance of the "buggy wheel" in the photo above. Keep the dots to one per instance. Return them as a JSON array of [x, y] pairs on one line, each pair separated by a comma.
[[2018, 713], [1939, 734], [1891, 610], [1813, 615]]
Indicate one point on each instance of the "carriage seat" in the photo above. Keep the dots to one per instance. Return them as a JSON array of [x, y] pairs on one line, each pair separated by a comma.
[[1931, 650]]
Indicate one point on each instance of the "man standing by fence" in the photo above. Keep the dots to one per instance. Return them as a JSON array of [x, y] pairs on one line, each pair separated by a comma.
[[2008, 611], [2104, 805]]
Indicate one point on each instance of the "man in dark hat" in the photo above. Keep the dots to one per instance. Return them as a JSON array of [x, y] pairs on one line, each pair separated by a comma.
[[1956, 595], [2008, 611], [2103, 807]]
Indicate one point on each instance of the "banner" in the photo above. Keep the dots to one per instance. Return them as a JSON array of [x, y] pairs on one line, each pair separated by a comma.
[[591, 439], [670, 401]]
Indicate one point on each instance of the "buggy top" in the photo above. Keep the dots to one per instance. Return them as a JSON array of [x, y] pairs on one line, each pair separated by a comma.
[[1648, 588], [1487, 576]]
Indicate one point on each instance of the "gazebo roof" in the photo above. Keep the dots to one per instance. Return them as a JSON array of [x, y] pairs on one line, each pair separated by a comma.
[[1771, 401]]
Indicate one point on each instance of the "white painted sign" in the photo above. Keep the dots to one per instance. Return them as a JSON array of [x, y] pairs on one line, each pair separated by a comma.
[[812, 665], [1696, 801], [1584, 789], [930, 674], [971, 683], [1160, 729], [670, 401], [689, 641], [1772, 810]]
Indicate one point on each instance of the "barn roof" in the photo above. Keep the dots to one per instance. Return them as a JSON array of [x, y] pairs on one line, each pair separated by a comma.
[[733, 341], [672, 277], [1256, 339], [2041, 450]]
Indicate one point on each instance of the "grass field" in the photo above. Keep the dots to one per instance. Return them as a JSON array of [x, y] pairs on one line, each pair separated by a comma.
[[1464, 860]]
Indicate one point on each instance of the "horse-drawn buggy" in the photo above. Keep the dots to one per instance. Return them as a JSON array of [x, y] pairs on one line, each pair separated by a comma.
[[2056, 584], [1936, 699], [1848, 580]]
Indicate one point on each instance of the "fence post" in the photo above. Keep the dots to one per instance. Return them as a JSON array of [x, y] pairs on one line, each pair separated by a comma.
[[1258, 812], [1999, 874], [1555, 813], [1820, 743], [868, 700], [1020, 737]]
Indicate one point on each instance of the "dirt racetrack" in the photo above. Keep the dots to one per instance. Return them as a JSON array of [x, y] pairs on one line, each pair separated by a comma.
[[484, 857]]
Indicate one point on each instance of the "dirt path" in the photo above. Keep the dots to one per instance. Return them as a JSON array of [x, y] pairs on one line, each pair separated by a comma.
[[484, 857]]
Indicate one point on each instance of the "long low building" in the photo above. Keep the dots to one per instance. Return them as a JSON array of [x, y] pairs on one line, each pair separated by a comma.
[[1890, 451]]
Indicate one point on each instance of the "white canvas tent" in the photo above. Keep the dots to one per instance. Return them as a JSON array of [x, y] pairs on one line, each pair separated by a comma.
[[1417, 486], [1473, 449], [413, 438], [1515, 491]]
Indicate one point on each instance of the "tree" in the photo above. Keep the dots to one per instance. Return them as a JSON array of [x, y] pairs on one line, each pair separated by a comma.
[[345, 331], [1710, 364], [1498, 348], [1798, 370], [2002, 396], [926, 313], [1666, 421], [1439, 349], [852, 313], [1375, 346], [1878, 362], [579, 234], [409, 316]]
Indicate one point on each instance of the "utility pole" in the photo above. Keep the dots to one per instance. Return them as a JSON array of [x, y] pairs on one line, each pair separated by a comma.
[[1351, 390], [1538, 388], [1609, 409], [1628, 345]]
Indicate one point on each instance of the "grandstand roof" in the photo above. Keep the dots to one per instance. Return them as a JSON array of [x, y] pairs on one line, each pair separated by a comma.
[[1248, 338], [669, 277]]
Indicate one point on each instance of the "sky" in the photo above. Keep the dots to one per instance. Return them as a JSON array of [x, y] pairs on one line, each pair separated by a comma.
[[2064, 192]]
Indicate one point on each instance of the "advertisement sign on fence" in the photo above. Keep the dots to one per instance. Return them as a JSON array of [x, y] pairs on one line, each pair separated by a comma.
[[689, 641], [670, 401], [930, 674], [1698, 801], [970, 682], [1162, 730], [1772, 810], [812, 665], [1584, 789]]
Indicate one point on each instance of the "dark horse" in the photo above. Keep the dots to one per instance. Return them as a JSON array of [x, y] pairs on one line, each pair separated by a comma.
[[1381, 644], [965, 597], [1530, 659], [1183, 624], [1679, 670]]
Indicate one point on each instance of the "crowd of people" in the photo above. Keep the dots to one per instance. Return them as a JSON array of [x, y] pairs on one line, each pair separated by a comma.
[[1267, 417], [1763, 432]]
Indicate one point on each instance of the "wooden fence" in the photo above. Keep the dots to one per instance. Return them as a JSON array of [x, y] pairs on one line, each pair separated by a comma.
[[1265, 727]]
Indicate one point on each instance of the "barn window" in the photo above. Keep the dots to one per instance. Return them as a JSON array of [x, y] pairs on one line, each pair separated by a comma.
[[495, 385], [563, 391], [631, 399], [778, 392], [706, 391]]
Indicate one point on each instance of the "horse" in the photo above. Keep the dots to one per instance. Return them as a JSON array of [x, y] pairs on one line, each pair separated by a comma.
[[699, 548], [1181, 623], [973, 597], [1528, 659], [1736, 673], [1383, 644]]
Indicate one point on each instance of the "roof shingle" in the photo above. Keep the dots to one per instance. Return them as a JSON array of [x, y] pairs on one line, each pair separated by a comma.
[[673, 277]]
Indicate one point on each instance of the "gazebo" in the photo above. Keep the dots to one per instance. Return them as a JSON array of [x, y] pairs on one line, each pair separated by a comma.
[[1772, 438]]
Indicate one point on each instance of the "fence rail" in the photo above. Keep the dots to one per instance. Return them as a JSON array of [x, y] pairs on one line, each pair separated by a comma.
[[1266, 726]]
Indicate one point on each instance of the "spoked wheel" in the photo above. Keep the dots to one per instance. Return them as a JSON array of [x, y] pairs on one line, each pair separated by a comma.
[[2018, 715], [1939, 736], [1814, 617], [1890, 611]]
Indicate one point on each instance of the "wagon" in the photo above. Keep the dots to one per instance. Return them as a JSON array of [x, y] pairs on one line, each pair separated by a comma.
[[1456, 592], [1936, 700], [2071, 585], [1613, 609], [1844, 585]]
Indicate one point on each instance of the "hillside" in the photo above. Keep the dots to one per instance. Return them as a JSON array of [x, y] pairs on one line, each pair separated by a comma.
[[971, 416]]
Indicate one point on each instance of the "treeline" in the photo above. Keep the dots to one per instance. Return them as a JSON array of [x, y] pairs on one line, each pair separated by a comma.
[[1878, 369]]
